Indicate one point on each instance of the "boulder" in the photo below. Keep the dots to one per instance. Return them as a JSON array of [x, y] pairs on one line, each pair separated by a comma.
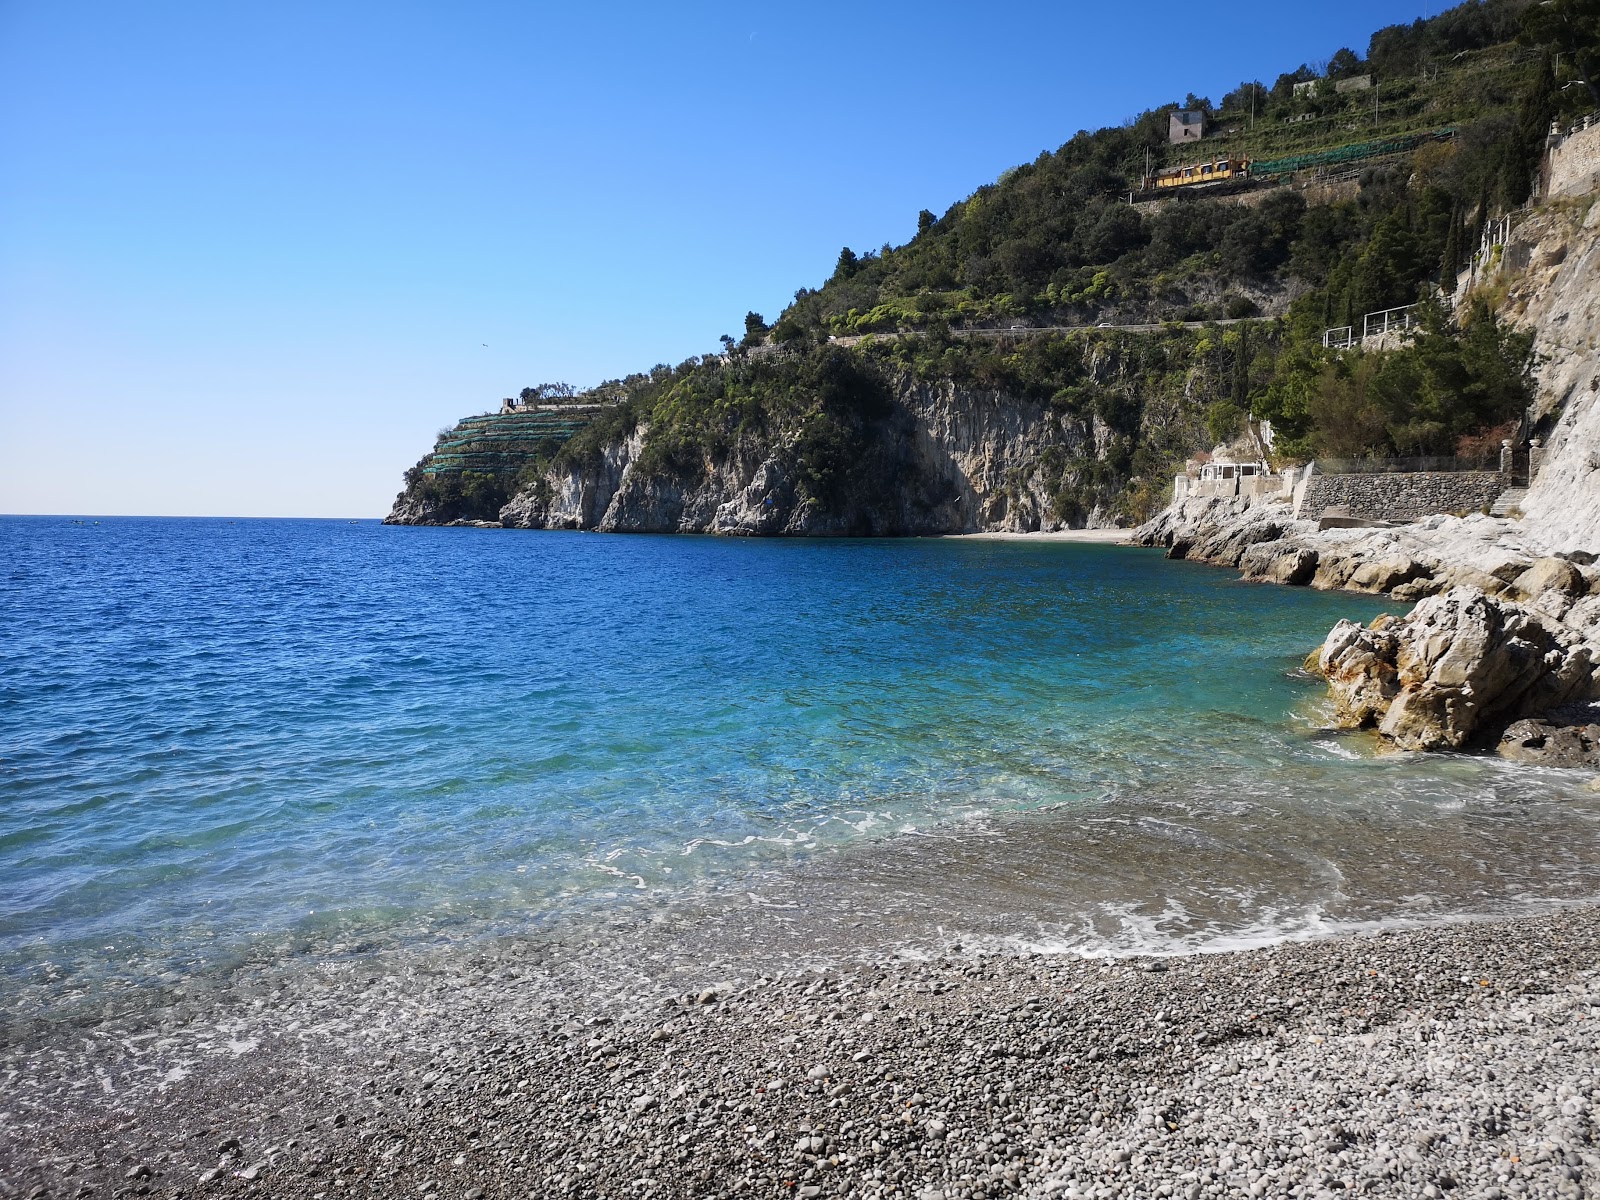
[[1279, 562], [1358, 663], [1549, 575], [1548, 744], [1458, 666], [1386, 574]]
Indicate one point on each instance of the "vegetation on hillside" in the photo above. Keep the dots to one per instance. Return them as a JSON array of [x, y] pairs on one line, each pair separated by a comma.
[[1056, 242]]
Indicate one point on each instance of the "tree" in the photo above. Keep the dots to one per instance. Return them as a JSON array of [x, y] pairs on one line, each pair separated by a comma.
[[754, 325], [1241, 370], [545, 392], [727, 343], [925, 222], [1283, 89], [1572, 29], [847, 264], [1520, 155], [1344, 64], [1248, 97], [1119, 230], [1450, 260]]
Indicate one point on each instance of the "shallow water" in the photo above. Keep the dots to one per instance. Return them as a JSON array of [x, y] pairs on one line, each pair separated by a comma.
[[230, 738]]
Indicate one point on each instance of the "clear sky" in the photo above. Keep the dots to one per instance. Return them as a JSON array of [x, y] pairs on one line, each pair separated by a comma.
[[254, 255]]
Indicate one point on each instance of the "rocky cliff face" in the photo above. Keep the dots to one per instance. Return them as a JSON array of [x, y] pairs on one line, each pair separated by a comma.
[[1508, 627], [1555, 260], [945, 459]]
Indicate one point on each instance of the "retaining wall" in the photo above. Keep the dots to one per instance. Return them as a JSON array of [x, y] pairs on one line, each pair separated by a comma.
[[1401, 497], [1574, 165]]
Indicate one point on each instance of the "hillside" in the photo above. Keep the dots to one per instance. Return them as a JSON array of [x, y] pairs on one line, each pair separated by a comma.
[[908, 395]]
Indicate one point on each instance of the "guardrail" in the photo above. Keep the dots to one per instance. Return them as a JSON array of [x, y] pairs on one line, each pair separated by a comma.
[[1389, 320]]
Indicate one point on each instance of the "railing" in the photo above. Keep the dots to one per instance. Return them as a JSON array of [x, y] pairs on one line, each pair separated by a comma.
[[1557, 130], [1341, 338], [1390, 320], [1405, 466]]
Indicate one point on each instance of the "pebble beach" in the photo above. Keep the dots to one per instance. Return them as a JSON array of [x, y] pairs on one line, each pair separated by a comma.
[[1454, 1059]]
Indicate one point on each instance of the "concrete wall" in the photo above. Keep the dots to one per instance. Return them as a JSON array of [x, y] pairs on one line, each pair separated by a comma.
[[1401, 497], [1574, 165]]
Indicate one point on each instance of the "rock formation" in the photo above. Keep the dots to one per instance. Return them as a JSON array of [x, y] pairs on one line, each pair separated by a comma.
[[1507, 630], [1554, 743], [1454, 671], [945, 459], [1555, 258]]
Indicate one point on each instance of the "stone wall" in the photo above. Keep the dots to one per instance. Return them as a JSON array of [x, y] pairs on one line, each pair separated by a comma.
[[1252, 487], [1401, 497], [1573, 167]]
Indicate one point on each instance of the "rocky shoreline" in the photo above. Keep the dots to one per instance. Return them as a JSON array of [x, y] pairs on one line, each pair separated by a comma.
[[1456, 1059], [1505, 631]]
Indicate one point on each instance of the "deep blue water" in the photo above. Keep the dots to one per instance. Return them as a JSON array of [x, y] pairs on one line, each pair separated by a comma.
[[224, 735]]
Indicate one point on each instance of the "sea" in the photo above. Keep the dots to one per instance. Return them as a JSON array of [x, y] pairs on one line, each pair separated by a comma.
[[229, 742]]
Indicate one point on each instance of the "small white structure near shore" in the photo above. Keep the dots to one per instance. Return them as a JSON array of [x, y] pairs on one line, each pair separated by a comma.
[[1220, 477]]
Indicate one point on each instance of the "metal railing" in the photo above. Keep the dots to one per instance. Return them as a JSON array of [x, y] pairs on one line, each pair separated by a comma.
[[1390, 320], [1341, 338]]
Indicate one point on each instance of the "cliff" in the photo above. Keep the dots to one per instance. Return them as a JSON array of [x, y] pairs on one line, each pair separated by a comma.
[[477, 464], [1555, 291], [939, 458]]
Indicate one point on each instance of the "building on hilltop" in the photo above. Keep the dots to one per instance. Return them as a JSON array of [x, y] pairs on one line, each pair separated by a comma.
[[1186, 127]]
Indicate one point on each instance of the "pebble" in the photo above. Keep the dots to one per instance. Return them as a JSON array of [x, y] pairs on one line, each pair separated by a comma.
[[1353, 1066]]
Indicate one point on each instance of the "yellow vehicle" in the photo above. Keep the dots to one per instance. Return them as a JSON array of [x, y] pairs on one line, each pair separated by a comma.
[[1215, 171]]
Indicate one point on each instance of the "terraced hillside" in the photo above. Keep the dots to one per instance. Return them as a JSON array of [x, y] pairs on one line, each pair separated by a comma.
[[480, 462], [504, 443], [1463, 88]]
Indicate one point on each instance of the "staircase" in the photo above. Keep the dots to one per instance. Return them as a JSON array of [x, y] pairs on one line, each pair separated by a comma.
[[1511, 498]]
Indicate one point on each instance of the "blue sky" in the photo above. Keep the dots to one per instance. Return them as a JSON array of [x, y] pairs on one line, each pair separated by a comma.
[[253, 256]]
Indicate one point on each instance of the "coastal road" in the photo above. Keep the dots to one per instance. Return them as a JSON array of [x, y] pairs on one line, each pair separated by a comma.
[[1019, 331]]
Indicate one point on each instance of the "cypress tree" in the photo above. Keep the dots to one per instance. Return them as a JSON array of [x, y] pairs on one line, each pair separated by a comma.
[[1536, 108], [1481, 221], [1241, 371], [1450, 263]]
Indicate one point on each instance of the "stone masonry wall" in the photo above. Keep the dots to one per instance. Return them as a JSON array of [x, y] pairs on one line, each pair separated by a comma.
[[1404, 497], [1574, 165]]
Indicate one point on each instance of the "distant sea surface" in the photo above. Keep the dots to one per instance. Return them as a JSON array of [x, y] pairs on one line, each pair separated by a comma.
[[222, 740]]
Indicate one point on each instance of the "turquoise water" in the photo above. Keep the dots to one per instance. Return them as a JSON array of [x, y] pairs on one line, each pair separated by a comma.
[[224, 738]]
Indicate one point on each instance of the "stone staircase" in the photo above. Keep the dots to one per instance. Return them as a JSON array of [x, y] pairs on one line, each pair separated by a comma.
[[1511, 498]]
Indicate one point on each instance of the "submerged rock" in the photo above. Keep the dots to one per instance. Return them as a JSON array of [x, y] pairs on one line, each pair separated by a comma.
[[1457, 667]]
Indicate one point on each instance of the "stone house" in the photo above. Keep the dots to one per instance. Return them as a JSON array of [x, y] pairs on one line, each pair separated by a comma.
[[1186, 127]]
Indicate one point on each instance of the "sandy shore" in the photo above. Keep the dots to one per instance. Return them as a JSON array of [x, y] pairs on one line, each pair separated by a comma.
[[1457, 1059]]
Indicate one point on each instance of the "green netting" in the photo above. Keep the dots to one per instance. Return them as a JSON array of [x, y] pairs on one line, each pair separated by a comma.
[[500, 443], [1351, 153]]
